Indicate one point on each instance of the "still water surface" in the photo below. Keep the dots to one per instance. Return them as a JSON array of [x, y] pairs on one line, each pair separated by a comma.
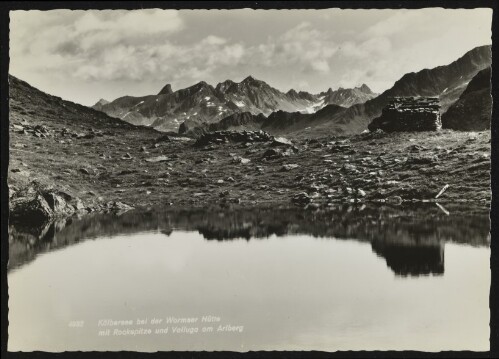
[[259, 283]]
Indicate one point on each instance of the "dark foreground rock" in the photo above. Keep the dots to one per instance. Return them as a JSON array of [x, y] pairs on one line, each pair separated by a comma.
[[35, 206], [31, 210], [473, 110]]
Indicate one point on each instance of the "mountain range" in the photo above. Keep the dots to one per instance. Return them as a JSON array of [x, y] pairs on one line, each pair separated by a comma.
[[446, 82], [203, 103], [253, 104]]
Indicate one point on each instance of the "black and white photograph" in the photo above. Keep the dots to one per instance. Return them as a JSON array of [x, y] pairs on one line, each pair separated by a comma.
[[249, 179]]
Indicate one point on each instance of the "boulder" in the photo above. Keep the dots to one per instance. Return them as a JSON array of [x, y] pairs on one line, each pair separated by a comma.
[[301, 199], [281, 141], [313, 206], [238, 159], [394, 200], [271, 153], [116, 206], [289, 167], [78, 204], [32, 211], [157, 159], [164, 138], [57, 204], [422, 160]]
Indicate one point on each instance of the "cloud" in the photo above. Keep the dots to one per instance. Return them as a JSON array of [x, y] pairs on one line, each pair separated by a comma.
[[130, 52], [320, 65], [137, 45], [91, 29], [116, 46], [214, 40], [93, 39], [195, 62], [127, 23], [397, 23], [303, 46]]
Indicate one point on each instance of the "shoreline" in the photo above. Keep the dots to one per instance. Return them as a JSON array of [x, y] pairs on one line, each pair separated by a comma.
[[312, 174]]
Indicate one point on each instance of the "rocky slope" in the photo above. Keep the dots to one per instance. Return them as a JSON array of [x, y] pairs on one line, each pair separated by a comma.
[[473, 110], [277, 123], [236, 121], [52, 142], [446, 82], [203, 104]]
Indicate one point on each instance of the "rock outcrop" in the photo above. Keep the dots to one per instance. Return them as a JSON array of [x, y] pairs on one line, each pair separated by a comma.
[[37, 207], [473, 110], [409, 114], [166, 90]]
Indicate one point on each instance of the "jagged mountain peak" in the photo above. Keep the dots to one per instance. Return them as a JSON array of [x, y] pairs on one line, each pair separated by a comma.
[[201, 85], [99, 104], [301, 95], [223, 86], [250, 80], [166, 90], [102, 102], [347, 97], [365, 88]]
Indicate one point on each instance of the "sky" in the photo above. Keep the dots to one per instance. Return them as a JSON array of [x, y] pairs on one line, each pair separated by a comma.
[[86, 55]]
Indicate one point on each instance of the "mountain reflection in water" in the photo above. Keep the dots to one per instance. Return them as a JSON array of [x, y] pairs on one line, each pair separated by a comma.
[[410, 238]]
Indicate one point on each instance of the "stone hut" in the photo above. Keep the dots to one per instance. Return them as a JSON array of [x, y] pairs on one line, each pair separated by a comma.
[[409, 114]]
